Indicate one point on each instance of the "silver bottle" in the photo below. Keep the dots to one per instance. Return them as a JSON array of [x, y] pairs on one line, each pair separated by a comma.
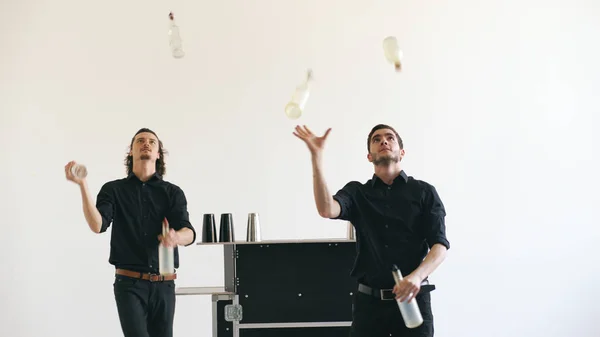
[[410, 310]]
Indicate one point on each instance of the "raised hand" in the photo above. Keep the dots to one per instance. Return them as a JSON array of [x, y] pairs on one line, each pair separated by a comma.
[[69, 175], [315, 144]]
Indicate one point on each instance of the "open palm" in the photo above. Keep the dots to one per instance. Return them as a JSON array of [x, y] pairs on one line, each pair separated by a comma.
[[315, 144]]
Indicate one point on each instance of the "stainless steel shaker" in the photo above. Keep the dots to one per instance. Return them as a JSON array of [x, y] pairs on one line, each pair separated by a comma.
[[226, 228], [253, 228]]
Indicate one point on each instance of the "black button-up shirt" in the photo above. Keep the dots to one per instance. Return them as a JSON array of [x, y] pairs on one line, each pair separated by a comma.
[[136, 210], [395, 224]]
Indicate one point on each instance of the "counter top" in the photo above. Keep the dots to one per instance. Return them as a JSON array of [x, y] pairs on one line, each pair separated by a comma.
[[201, 291]]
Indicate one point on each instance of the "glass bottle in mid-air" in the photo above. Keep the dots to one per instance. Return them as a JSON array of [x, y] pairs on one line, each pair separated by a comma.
[[175, 39], [392, 52], [296, 105]]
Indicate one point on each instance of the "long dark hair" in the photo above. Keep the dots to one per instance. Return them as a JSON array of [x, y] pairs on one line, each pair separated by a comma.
[[161, 167]]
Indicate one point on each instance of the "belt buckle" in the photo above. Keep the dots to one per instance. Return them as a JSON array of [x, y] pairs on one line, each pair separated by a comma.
[[155, 277], [386, 291]]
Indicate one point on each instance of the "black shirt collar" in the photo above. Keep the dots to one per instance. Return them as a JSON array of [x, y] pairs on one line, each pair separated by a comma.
[[154, 176], [402, 176]]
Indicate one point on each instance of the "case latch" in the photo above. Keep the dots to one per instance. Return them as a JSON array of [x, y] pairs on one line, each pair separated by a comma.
[[233, 312]]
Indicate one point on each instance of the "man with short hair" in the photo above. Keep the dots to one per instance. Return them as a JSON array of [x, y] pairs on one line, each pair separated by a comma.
[[137, 207], [399, 220]]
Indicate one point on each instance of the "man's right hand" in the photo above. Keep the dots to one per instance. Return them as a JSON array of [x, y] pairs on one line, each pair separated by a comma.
[[326, 205], [69, 174], [315, 144]]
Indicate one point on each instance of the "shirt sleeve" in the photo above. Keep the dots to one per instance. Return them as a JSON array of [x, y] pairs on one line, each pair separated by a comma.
[[434, 216], [345, 197], [106, 206], [178, 215]]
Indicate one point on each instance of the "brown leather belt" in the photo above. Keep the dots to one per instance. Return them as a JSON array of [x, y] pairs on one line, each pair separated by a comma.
[[146, 276]]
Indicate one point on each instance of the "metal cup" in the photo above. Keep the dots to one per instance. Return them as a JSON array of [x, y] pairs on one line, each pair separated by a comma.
[[226, 228], [209, 231], [253, 228]]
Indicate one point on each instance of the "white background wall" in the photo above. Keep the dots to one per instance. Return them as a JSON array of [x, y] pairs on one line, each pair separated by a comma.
[[497, 105]]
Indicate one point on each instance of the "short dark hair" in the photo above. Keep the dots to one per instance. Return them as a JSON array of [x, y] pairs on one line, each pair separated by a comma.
[[161, 167], [379, 127]]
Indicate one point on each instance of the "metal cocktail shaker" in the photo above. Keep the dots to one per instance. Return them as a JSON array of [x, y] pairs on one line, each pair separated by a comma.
[[253, 228], [209, 231], [226, 228]]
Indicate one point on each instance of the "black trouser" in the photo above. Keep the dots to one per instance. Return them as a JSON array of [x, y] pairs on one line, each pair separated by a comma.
[[373, 317], [146, 309]]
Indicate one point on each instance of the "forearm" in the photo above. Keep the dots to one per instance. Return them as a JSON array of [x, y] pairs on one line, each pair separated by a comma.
[[326, 205], [434, 258], [92, 216], [185, 236]]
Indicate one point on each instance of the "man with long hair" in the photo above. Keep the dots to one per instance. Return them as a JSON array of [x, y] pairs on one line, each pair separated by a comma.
[[137, 206], [399, 220]]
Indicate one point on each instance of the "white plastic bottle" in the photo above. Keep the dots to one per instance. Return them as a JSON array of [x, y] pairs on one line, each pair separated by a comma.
[[175, 39], [392, 52], [296, 105], [410, 310], [166, 255]]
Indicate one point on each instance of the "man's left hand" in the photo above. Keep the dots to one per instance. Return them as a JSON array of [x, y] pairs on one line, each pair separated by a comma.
[[408, 288]]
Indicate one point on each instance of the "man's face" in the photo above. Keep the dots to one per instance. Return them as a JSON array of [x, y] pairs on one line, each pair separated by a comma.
[[384, 148], [145, 147]]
